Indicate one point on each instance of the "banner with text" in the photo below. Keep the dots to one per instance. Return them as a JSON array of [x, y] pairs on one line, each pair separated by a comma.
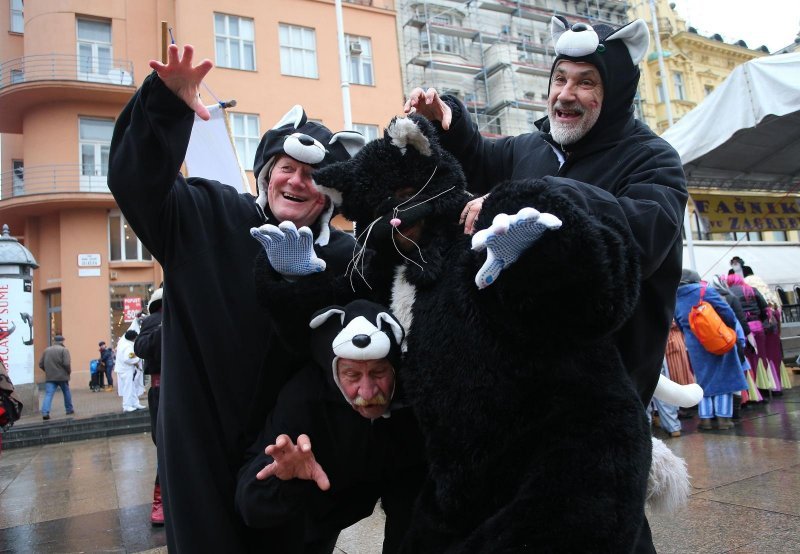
[[739, 214]]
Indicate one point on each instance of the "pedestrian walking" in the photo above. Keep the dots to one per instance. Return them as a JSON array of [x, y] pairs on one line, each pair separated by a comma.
[[56, 363]]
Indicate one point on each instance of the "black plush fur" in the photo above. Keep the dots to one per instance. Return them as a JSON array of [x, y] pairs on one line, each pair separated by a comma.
[[535, 435]]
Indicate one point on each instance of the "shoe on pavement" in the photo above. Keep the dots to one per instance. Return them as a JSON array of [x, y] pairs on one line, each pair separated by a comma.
[[108, 388], [140, 407], [706, 424], [128, 410], [675, 434], [71, 413], [45, 416]]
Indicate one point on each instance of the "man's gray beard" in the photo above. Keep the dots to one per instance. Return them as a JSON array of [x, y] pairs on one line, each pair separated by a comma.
[[565, 134]]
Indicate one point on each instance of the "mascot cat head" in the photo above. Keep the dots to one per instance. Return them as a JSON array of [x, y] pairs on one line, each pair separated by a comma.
[[397, 182]]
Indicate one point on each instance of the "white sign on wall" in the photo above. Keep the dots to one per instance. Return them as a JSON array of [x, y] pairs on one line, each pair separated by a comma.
[[88, 260]]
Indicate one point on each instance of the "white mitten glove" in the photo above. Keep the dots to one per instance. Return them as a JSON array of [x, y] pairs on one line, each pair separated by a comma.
[[507, 238], [290, 250]]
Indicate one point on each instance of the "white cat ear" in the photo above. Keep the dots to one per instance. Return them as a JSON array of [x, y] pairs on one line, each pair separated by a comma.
[[319, 319], [352, 141], [404, 133], [295, 116], [636, 38], [558, 26], [397, 329]]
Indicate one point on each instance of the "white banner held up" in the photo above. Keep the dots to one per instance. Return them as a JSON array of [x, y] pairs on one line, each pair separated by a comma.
[[211, 153]]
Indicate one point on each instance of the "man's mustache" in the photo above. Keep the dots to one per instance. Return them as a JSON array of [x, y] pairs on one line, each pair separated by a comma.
[[377, 400]]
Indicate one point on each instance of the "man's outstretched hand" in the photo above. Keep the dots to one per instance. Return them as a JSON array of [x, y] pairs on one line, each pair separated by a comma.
[[183, 79], [427, 103], [294, 461], [290, 250]]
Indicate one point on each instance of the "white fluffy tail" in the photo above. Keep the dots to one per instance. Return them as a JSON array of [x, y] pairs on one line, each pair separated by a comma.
[[668, 485]]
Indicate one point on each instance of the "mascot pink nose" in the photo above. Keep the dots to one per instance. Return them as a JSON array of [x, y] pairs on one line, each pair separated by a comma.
[[395, 222]]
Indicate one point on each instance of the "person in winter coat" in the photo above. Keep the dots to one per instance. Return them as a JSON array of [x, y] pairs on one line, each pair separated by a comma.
[[592, 148], [57, 366], [338, 439], [719, 375], [127, 366], [755, 311], [107, 366], [148, 347], [222, 367]]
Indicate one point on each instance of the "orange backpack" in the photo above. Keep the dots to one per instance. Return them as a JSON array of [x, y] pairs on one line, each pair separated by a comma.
[[708, 327]]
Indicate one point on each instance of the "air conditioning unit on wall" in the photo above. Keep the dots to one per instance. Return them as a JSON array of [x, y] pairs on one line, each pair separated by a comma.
[[355, 48]]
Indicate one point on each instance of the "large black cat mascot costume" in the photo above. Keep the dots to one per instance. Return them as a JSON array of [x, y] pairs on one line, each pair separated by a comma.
[[536, 438]]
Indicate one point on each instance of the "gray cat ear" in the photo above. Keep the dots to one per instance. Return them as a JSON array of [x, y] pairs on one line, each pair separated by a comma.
[[296, 116], [319, 319], [558, 26], [397, 329], [353, 141], [636, 38]]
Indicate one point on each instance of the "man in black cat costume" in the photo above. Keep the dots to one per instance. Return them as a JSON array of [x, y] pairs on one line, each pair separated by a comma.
[[219, 380], [591, 147]]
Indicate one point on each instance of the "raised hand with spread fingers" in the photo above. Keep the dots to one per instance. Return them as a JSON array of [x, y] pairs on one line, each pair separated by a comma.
[[290, 250], [182, 78]]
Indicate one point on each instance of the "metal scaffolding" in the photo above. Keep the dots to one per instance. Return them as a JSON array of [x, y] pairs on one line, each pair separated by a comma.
[[495, 55]]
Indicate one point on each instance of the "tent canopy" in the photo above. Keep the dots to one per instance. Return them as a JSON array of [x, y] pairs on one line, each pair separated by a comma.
[[746, 134]]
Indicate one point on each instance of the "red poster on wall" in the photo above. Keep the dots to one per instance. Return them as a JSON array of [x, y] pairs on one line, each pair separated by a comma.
[[131, 308]]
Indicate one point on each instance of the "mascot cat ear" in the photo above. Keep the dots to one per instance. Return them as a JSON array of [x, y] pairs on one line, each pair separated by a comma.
[[409, 131]]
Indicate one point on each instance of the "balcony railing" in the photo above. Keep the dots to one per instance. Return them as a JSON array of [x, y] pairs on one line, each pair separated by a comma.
[[54, 179], [66, 67]]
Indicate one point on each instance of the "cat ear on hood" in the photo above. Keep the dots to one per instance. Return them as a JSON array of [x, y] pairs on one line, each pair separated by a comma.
[[296, 116], [352, 141], [324, 315], [635, 37]]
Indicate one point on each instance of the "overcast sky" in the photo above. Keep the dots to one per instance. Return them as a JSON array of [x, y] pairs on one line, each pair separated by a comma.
[[774, 23]]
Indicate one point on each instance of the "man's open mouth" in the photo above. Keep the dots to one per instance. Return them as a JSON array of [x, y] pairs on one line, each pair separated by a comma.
[[291, 198], [568, 114]]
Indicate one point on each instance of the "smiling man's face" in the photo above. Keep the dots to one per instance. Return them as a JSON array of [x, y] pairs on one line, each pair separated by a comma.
[[575, 101], [291, 193]]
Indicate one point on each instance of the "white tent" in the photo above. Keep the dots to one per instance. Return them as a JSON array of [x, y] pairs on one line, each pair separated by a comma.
[[746, 134]]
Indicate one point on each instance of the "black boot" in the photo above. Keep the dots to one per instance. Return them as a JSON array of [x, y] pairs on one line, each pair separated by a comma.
[[737, 403]]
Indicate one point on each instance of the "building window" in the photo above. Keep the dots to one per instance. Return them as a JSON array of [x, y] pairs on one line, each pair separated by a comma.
[[19, 177], [245, 137], [17, 76], [708, 89], [661, 90], [53, 315], [779, 236], [680, 92], [234, 39], [298, 51], [17, 19], [370, 132], [359, 59], [123, 244], [126, 302], [94, 49], [442, 43], [95, 142]]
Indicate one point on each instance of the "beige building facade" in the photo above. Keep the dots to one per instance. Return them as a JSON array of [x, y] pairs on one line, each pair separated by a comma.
[[67, 68], [695, 65]]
